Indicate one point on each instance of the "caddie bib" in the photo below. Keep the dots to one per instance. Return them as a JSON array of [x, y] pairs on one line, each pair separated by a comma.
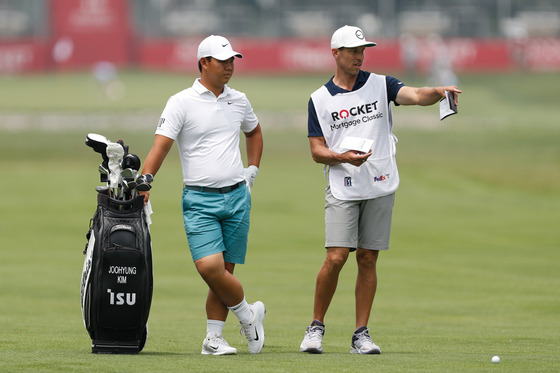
[[363, 113]]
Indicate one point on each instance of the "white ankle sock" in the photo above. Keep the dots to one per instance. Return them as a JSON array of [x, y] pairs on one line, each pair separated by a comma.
[[243, 312], [214, 327]]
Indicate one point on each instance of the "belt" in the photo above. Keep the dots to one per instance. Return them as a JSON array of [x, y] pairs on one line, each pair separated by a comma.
[[226, 189]]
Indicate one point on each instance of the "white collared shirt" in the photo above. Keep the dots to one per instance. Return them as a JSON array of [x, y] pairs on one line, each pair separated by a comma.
[[206, 129]]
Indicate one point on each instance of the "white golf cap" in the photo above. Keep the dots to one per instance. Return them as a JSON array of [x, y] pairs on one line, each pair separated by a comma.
[[349, 37], [217, 47]]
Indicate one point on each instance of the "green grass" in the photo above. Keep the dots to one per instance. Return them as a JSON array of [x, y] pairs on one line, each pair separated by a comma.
[[144, 91], [472, 271]]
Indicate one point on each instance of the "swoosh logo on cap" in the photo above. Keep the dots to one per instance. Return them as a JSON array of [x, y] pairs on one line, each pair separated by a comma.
[[224, 45]]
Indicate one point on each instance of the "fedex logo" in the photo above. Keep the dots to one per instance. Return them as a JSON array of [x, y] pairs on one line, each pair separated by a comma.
[[381, 178]]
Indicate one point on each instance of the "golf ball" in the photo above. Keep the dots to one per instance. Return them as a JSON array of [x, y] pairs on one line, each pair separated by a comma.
[[496, 359]]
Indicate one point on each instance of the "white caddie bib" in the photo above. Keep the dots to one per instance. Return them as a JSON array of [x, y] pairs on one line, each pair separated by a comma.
[[363, 113]]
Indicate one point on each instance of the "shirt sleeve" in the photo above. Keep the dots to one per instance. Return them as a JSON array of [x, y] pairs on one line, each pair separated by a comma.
[[250, 120], [393, 87], [171, 120], [313, 126]]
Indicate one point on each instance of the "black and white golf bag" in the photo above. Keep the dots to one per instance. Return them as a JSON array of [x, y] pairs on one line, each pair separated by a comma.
[[117, 277]]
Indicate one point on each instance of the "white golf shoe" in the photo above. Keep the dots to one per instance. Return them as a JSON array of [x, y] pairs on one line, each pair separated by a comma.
[[312, 341], [362, 343], [254, 331], [217, 345]]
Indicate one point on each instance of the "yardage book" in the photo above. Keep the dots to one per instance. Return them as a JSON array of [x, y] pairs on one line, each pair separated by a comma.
[[360, 144], [447, 106]]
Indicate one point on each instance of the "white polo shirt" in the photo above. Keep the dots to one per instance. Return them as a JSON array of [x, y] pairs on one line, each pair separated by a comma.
[[206, 129]]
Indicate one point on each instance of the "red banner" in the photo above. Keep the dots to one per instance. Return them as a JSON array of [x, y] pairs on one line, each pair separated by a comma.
[[22, 56], [77, 48], [85, 32], [297, 55], [541, 54]]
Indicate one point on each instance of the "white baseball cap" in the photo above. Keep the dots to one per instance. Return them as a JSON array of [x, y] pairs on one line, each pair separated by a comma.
[[349, 37], [217, 47]]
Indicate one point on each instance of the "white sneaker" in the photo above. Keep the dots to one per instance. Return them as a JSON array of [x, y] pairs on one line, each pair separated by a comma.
[[254, 331], [217, 345], [362, 344], [312, 342]]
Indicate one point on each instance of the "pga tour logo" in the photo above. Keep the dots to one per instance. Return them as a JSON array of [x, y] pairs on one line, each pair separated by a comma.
[[347, 181]]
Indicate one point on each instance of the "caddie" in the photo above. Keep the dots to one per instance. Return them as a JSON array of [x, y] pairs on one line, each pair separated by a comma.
[[350, 131]]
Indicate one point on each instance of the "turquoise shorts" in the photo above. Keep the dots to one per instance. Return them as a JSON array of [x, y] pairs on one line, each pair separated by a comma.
[[217, 223]]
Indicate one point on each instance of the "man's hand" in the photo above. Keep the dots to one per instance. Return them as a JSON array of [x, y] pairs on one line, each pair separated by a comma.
[[250, 174], [146, 196], [453, 90], [356, 158], [144, 185]]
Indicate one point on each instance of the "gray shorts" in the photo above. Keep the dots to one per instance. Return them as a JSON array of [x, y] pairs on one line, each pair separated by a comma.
[[362, 224]]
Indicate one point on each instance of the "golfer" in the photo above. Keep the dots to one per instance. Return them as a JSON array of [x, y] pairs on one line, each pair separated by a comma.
[[206, 120], [350, 110]]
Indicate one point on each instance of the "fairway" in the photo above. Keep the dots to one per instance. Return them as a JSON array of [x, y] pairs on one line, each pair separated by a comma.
[[472, 271]]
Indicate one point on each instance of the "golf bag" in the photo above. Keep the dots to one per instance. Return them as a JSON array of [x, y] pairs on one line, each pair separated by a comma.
[[117, 277]]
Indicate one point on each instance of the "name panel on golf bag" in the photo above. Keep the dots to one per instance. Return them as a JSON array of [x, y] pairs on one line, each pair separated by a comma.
[[122, 292]]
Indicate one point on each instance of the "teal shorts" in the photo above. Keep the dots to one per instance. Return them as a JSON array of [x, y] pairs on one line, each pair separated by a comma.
[[217, 223]]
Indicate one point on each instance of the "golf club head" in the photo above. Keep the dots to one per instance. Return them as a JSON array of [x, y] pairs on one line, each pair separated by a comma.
[[128, 173], [114, 151], [125, 147], [131, 160], [143, 182], [102, 189], [143, 187], [103, 172], [97, 142], [129, 191], [99, 145], [115, 154]]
